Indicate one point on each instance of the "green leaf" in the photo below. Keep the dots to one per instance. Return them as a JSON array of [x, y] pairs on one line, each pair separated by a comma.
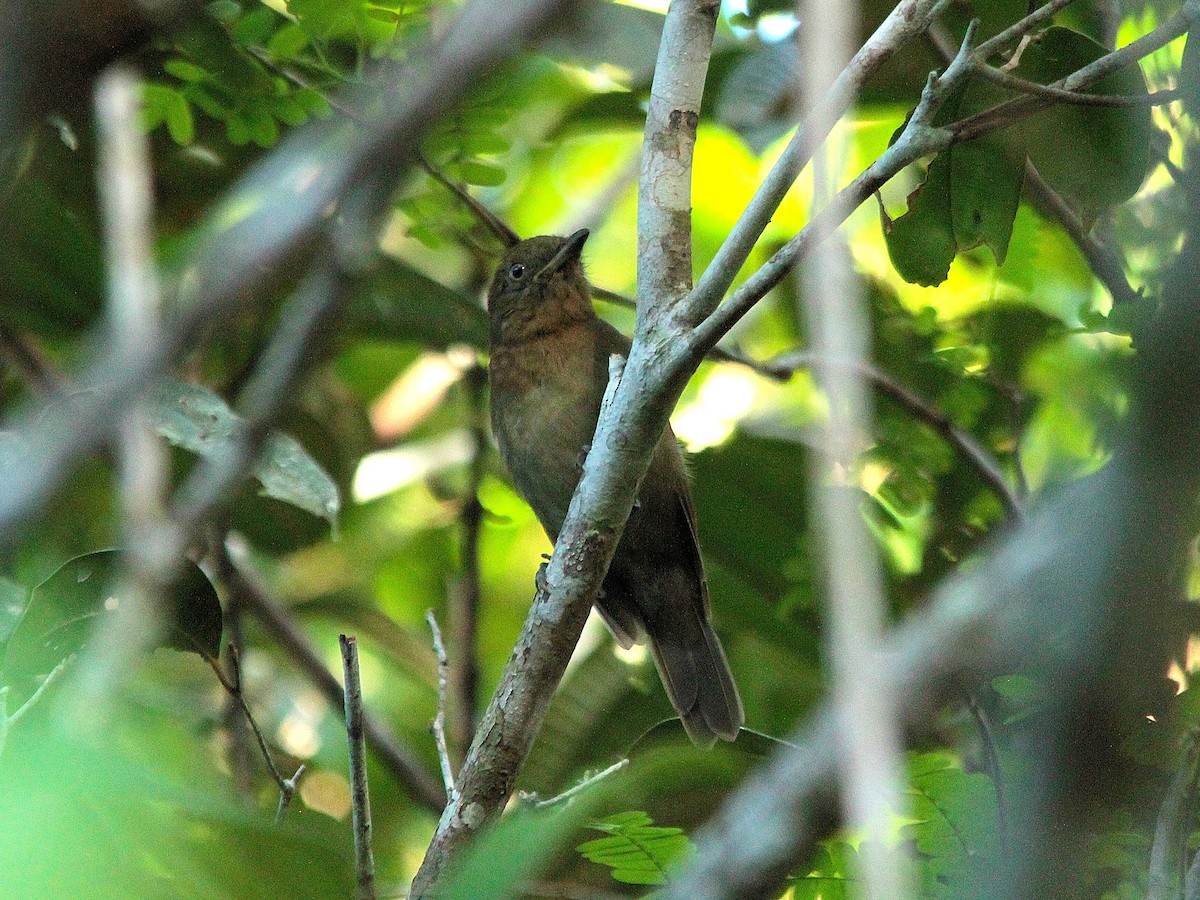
[[184, 70], [224, 10], [289, 40], [1098, 156], [478, 173], [956, 827], [180, 124], [255, 27], [396, 302], [921, 242], [969, 198], [637, 851], [830, 874], [196, 419], [64, 609]]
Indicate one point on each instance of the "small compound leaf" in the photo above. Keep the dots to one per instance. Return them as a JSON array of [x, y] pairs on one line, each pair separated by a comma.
[[637, 851], [64, 609], [1096, 155], [196, 419]]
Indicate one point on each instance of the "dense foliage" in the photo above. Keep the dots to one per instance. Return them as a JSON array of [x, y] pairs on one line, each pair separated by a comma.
[[360, 514]]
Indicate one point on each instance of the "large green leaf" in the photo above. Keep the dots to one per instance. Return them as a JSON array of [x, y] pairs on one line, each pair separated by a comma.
[[969, 197], [396, 302], [1096, 155], [64, 610], [196, 419]]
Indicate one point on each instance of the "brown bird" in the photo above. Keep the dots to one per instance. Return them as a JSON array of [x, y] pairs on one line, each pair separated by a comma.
[[548, 370]]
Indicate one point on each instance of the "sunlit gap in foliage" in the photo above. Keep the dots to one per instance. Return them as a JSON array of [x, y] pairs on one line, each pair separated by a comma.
[[724, 399]]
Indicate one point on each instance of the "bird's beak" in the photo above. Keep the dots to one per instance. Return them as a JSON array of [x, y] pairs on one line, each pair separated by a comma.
[[570, 252]]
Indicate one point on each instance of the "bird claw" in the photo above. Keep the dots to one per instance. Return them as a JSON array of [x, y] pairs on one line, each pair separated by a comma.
[[583, 455]]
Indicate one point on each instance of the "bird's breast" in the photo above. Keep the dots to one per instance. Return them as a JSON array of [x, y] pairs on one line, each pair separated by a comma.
[[545, 401]]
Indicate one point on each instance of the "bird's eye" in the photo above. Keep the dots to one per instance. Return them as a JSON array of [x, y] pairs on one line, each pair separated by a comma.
[[517, 271]]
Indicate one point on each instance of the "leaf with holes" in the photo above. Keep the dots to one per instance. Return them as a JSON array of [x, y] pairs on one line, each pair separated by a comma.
[[63, 612], [969, 197], [196, 419], [637, 850]]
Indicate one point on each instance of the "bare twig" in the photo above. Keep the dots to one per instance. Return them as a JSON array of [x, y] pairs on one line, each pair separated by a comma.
[[29, 363], [465, 593], [991, 758], [497, 226], [233, 687], [1103, 259], [1105, 263], [7, 721], [364, 860], [908, 19], [133, 325], [439, 721], [399, 759], [576, 789], [1010, 111], [1073, 98], [981, 460]]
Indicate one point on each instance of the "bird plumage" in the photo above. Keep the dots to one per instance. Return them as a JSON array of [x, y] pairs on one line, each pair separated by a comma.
[[548, 371]]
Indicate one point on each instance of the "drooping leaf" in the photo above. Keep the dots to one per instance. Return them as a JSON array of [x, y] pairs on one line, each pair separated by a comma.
[[969, 197], [1096, 155], [398, 303], [196, 419], [64, 610], [637, 850]]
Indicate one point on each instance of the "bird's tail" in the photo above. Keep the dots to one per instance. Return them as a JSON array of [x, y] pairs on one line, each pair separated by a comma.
[[695, 673]]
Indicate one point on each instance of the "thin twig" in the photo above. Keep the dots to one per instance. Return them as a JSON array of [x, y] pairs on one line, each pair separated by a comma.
[[401, 762], [439, 721], [908, 19], [586, 782], [134, 324], [8, 721], [991, 758], [1072, 98], [465, 594], [1010, 111], [980, 459], [364, 860], [1103, 259], [29, 363], [233, 687]]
